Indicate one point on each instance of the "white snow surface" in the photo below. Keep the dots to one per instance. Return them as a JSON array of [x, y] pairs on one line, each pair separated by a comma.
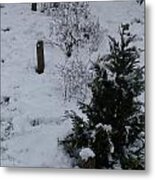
[[33, 97], [86, 153], [36, 106]]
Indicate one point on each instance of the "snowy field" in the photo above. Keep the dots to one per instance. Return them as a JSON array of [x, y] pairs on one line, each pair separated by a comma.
[[32, 105]]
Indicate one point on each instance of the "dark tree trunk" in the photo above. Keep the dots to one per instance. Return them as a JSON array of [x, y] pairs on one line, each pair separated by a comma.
[[40, 57]]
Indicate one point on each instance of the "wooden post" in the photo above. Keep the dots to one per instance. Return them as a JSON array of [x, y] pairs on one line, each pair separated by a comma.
[[34, 7], [40, 57]]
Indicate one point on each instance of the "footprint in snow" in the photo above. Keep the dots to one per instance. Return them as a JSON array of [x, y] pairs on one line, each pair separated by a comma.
[[7, 29], [5, 100]]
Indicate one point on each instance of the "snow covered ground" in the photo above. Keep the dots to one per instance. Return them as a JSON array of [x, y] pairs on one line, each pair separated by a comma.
[[32, 105]]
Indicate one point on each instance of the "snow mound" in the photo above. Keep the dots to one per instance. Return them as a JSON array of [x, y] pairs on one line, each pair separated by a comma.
[[86, 153]]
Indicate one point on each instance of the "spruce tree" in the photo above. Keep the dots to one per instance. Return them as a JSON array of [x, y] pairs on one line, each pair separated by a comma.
[[114, 127]]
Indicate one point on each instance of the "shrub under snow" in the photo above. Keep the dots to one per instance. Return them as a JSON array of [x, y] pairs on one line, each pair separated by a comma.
[[73, 27]]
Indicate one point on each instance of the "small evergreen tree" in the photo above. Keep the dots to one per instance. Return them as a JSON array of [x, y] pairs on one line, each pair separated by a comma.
[[114, 127]]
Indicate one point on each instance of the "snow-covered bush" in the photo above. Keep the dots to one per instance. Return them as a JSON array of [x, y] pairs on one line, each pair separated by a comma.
[[76, 76], [114, 129], [73, 27], [75, 30]]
